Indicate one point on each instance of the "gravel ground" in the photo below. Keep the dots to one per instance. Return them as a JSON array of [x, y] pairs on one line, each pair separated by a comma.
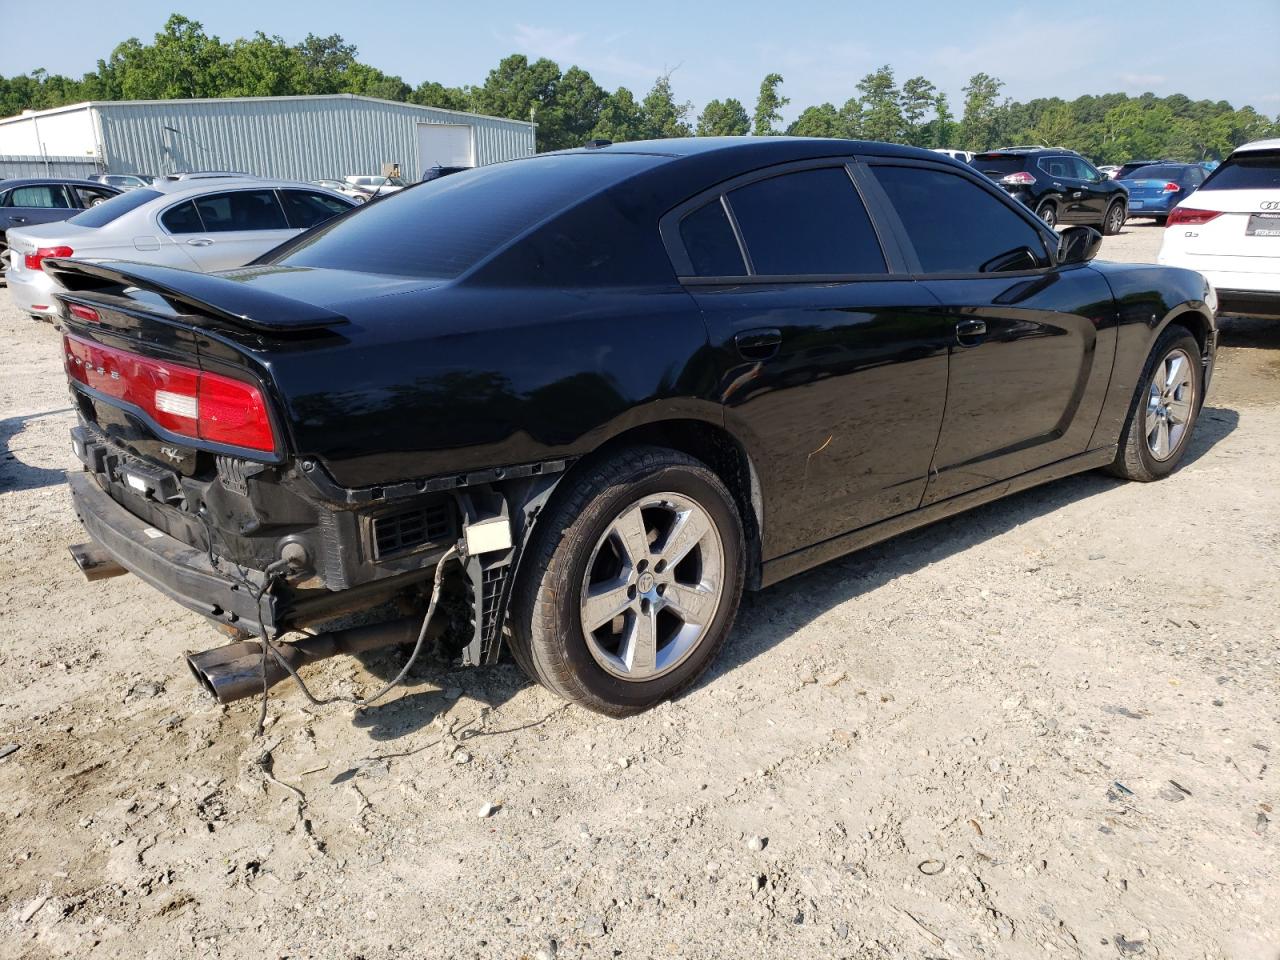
[[1049, 727]]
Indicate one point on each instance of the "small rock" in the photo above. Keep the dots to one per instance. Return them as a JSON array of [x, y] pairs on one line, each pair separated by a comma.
[[995, 764], [32, 908], [1129, 948], [548, 952], [593, 928], [1174, 792], [757, 844], [623, 763], [488, 810], [461, 757], [807, 676], [7, 749]]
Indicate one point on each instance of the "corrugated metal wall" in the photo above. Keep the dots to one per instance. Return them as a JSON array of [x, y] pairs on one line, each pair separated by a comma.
[[18, 166], [301, 138]]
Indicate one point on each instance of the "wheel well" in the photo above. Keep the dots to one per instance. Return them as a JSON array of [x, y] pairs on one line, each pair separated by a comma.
[[1197, 323], [723, 454]]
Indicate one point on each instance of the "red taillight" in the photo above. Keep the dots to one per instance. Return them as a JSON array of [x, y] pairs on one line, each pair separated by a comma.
[[1171, 187], [33, 260], [84, 313], [183, 400], [1021, 179], [1186, 216]]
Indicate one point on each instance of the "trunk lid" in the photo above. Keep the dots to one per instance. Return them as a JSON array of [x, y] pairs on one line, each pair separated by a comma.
[[1245, 232]]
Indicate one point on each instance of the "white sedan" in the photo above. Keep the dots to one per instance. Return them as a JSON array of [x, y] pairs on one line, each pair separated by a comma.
[[203, 224], [1229, 230]]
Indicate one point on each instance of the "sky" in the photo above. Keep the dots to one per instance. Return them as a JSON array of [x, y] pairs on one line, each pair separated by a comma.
[[719, 50]]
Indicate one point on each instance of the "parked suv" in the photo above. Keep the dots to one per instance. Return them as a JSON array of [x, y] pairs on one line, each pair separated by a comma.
[[1059, 185]]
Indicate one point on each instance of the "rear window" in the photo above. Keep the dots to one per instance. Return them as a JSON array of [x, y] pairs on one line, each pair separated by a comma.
[[445, 227], [1247, 171], [111, 210], [999, 164], [1158, 171]]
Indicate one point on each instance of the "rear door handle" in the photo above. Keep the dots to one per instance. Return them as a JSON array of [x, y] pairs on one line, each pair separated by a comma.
[[970, 333], [199, 242], [17, 219], [758, 345]]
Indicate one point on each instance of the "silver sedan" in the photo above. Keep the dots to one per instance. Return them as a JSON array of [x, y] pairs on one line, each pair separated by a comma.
[[204, 224]]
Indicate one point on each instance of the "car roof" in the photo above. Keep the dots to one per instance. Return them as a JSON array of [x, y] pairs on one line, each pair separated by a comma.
[[36, 181], [172, 188], [769, 149], [1271, 144]]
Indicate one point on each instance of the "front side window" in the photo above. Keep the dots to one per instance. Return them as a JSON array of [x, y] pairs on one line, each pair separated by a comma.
[[184, 218], [306, 209], [40, 196], [808, 223], [709, 241], [241, 210], [956, 226]]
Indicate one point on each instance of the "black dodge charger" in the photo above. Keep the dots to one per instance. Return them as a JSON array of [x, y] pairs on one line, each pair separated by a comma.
[[588, 397]]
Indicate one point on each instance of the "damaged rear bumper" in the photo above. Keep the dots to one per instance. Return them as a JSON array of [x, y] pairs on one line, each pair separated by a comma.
[[178, 570]]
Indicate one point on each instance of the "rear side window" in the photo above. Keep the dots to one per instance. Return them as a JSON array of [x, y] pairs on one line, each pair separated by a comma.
[[241, 210], [445, 227], [956, 226], [708, 239], [41, 196], [1245, 171], [305, 209], [180, 219], [1057, 167], [113, 209], [806, 223]]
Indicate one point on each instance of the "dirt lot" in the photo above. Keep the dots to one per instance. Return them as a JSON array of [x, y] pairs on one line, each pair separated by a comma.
[[1050, 727]]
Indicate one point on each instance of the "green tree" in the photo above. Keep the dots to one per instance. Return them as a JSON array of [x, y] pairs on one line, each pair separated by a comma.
[[579, 100], [918, 100], [621, 118], [981, 111], [823, 120], [660, 115], [1055, 126], [521, 90], [881, 108], [432, 94], [769, 104], [724, 118]]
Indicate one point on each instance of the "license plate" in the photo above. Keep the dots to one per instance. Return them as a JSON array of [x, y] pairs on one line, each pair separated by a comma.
[[1135, 204], [1263, 225]]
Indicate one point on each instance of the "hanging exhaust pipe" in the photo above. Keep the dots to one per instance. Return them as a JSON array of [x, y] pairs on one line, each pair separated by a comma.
[[234, 672]]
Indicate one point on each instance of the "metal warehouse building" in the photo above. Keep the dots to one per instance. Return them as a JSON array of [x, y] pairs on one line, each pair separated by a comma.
[[297, 138]]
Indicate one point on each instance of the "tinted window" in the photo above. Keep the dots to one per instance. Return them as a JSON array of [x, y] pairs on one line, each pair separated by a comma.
[[1159, 171], [708, 239], [180, 219], [442, 228], [1195, 175], [1085, 170], [997, 165], [307, 209], [241, 210], [955, 225], [114, 208], [42, 195], [806, 223], [1246, 171], [1126, 170], [1057, 166]]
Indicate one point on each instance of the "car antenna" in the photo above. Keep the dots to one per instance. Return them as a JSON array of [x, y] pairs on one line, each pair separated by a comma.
[[597, 143]]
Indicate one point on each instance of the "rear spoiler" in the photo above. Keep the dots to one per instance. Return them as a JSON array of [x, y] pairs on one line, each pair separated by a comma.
[[237, 303]]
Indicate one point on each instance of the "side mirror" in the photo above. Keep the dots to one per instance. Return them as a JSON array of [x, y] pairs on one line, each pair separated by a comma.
[[1078, 245]]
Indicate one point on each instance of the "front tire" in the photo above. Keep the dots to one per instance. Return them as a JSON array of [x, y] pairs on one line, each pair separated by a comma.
[[1164, 409], [632, 582], [1113, 220]]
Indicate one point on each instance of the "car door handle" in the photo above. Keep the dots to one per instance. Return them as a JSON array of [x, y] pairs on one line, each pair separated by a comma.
[[17, 219], [199, 242], [970, 333], [758, 345]]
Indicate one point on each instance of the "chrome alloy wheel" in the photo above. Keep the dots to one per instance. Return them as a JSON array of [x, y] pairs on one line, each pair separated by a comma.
[[1170, 400], [652, 587]]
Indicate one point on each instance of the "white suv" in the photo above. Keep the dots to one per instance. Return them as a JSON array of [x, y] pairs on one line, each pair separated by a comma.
[[1229, 230]]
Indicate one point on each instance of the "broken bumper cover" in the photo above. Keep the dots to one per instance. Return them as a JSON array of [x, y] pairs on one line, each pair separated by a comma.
[[178, 570]]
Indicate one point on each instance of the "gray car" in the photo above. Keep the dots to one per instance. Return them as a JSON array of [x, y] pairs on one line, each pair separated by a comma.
[[33, 200], [201, 224]]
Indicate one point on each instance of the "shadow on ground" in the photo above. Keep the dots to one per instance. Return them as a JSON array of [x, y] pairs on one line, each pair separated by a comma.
[[16, 475]]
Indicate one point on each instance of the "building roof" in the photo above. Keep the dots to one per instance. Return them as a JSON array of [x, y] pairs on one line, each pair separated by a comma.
[[108, 104]]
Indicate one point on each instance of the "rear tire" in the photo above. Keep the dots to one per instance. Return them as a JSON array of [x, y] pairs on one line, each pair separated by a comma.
[[631, 583], [1164, 410], [1048, 212], [1113, 220]]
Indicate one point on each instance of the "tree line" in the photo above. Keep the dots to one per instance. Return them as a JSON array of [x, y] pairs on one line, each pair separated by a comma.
[[570, 108]]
